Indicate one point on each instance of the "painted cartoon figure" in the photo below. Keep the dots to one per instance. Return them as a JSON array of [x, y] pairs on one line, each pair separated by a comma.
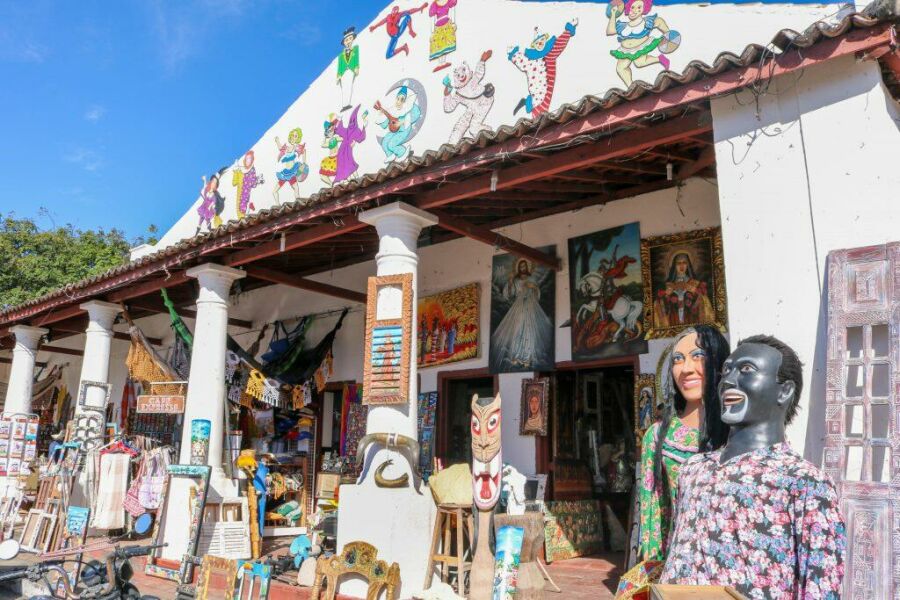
[[213, 204], [292, 162], [634, 27], [443, 32], [401, 124], [350, 134], [538, 62], [396, 23], [328, 166], [348, 67], [244, 179], [465, 88]]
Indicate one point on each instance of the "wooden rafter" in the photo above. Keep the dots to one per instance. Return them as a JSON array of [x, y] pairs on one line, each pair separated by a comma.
[[294, 240], [594, 177], [305, 284], [60, 350], [185, 313], [707, 158], [118, 335], [8, 361], [497, 240]]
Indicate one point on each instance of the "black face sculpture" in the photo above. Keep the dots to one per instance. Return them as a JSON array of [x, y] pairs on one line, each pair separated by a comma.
[[754, 403]]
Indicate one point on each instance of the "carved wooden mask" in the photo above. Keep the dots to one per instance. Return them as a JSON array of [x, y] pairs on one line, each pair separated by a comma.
[[487, 462]]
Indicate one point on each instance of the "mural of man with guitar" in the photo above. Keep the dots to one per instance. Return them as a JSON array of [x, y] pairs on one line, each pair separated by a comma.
[[401, 124]]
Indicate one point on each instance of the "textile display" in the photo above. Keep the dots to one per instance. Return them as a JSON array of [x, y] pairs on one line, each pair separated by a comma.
[[572, 528], [112, 484]]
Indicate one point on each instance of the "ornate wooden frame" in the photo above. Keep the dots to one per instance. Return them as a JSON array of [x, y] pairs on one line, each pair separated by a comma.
[[718, 296], [544, 384], [642, 381], [209, 564], [357, 558], [184, 573], [82, 395], [370, 392]]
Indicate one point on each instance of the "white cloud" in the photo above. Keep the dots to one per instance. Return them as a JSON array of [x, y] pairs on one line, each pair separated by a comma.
[[94, 113], [85, 158]]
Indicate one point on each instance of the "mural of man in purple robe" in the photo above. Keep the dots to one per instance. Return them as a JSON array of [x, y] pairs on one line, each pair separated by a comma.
[[352, 133]]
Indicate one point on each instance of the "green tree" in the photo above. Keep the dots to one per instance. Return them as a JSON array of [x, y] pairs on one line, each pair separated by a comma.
[[34, 262]]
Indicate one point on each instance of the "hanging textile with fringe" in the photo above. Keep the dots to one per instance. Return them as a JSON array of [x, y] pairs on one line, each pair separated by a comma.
[[146, 365]]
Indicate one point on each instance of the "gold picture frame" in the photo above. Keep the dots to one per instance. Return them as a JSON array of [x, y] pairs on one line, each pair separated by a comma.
[[684, 282], [645, 404], [386, 375]]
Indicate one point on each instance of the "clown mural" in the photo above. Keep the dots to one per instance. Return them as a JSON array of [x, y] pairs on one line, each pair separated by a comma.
[[292, 167], [396, 23], [403, 120], [347, 67], [464, 87], [212, 204], [487, 467], [244, 178], [644, 38], [538, 62]]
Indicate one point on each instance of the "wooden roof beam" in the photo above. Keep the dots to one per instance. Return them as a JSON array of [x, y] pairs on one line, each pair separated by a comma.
[[148, 287], [594, 177], [185, 313], [610, 148], [302, 283], [118, 335], [497, 240], [295, 240], [706, 159], [8, 361], [60, 350]]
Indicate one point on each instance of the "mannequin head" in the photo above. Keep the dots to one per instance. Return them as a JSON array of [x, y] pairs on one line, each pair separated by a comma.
[[761, 383]]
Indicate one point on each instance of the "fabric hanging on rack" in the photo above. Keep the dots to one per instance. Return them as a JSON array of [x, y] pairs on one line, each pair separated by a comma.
[[109, 510]]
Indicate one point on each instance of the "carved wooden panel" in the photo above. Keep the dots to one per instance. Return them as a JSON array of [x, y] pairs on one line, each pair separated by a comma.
[[388, 340], [862, 416]]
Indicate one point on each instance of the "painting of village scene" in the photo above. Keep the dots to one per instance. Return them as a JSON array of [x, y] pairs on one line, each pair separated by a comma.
[[522, 312], [448, 326], [606, 294]]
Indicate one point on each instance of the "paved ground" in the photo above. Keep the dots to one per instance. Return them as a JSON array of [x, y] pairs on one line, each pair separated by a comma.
[[592, 578]]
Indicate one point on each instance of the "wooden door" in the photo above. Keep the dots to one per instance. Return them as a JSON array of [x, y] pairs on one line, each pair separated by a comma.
[[862, 449]]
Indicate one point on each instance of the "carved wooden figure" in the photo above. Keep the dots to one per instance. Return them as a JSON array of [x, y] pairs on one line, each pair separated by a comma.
[[357, 558], [487, 466]]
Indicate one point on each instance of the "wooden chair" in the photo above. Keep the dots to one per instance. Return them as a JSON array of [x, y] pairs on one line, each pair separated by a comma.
[[357, 558], [453, 522]]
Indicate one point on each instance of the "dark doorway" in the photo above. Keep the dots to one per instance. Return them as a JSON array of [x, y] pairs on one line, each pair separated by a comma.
[[454, 444]]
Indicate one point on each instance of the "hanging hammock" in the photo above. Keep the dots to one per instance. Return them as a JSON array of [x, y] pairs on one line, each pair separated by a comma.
[[180, 355], [303, 367], [146, 365]]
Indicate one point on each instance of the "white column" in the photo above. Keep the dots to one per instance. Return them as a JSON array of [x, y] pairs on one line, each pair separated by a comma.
[[405, 516], [398, 227], [21, 374], [97, 344], [206, 386]]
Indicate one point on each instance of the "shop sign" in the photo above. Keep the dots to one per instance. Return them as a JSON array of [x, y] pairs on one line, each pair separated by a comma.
[[160, 404]]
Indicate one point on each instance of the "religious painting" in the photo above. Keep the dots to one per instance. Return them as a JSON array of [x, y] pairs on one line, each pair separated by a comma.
[[448, 326], [522, 312], [388, 340], [646, 411], [605, 294], [533, 417], [684, 282]]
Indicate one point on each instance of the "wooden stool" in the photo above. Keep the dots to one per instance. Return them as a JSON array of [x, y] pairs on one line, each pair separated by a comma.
[[450, 517]]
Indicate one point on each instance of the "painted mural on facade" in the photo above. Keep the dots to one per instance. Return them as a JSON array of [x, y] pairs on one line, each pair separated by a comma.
[[369, 108]]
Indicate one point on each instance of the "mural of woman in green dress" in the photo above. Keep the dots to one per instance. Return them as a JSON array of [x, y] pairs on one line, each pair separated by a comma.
[[690, 423]]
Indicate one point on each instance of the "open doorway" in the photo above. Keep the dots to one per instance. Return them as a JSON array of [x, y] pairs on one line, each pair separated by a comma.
[[454, 436]]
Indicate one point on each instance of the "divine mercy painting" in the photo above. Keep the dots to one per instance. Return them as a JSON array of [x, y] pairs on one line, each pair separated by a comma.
[[606, 295], [522, 300]]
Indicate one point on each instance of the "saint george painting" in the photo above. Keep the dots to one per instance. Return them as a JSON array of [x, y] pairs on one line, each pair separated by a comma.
[[646, 410], [448, 326], [522, 300], [606, 297], [533, 418], [684, 281]]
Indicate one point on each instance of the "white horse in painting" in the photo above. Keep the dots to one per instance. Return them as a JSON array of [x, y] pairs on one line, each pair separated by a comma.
[[625, 312]]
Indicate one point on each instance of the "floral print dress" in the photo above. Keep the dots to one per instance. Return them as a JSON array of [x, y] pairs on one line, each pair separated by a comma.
[[765, 522], [679, 444]]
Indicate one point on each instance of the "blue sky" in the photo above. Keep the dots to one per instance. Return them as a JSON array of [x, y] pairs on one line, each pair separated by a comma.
[[110, 111]]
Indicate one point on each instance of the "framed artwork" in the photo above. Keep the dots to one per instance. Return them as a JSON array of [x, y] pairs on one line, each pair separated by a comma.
[[572, 528], [522, 315], [684, 282], [97, 403], [606, 297], [201, 475], [646, 410], [223, 567], [388, 340], [448, 326], [533, 415]]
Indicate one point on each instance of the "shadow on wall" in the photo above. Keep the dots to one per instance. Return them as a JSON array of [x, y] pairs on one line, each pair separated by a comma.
[[815, 423]]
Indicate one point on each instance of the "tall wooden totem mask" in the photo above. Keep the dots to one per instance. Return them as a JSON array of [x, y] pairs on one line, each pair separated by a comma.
[[487, 461]]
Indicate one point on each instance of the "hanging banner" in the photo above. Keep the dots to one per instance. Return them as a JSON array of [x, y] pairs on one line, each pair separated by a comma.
[[160, 404]]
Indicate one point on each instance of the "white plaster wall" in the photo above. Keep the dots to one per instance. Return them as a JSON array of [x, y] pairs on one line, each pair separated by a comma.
[[462, 261], [809, 169], [584, 68]]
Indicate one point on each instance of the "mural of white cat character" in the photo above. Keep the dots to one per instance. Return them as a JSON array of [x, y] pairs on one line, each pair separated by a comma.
[[465, 88]]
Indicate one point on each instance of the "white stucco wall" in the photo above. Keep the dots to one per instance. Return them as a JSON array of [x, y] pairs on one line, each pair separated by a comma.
[[585, 67], [810, 168]]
